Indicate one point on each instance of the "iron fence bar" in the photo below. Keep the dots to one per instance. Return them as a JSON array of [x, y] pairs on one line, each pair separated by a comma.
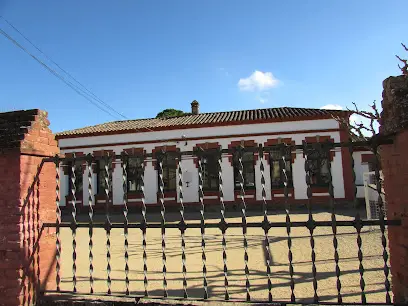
[[124, 163], [358, 224], [340, 223], [311, 223], [202, 227], [223, 224], [58, 221], [334, 230], [244, 221], [284, 149], [108, 165], [143, 228], [139, 299], [91, 203], [163, 220], [182, 227], [266, 222], [74, 223], [382, 223]]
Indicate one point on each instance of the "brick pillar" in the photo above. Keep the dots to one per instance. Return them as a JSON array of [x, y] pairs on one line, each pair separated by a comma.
[[395, 169], [27, 199]]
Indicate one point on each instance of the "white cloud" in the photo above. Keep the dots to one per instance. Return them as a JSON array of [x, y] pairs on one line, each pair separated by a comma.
[[332, 106], [258, 81]]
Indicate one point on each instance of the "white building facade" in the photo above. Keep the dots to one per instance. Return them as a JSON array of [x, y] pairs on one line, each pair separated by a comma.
[[210, 132]]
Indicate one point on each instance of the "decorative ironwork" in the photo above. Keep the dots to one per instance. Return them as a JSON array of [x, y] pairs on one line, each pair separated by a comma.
[[311, 224], [244, 221], [223, 225], [160, 157], [266, 222], [311, 152], [358, 224], [326, 150], [126, 220], [202, 228], [143, 228], [283, 149], [382, 223], [74, 222], [58, 222], [91, 203], [182, 227], [108, 166]]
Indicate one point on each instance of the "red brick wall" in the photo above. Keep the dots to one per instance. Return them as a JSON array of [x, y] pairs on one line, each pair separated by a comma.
[[395, 170], [27, 199]]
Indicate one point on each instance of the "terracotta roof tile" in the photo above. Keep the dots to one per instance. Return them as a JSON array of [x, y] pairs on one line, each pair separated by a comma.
[[206, 119]]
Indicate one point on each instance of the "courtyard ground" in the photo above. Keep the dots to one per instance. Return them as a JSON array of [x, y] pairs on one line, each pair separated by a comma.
[[347, 248]]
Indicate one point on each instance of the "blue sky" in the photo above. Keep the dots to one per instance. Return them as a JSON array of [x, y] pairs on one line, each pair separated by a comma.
[[145, 56]]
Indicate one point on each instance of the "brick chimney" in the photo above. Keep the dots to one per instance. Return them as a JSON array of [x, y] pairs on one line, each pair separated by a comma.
[[195, 107]]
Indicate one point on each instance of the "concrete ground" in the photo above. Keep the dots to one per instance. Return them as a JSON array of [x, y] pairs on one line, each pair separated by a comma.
[[347, 248]]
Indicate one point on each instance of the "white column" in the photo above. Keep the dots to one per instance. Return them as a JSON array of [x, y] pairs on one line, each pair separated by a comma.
[[299, 177], [117, 183], [227, 179], [85, 192], [337, 176], [190, 178], [64, 187], [150, 183]]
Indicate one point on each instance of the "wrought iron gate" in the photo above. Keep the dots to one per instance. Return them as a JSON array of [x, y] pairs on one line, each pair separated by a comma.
[[266, 222]]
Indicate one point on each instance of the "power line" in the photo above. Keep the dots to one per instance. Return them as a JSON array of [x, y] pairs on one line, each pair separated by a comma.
[[84, 92], [70, 84], [66, 72]]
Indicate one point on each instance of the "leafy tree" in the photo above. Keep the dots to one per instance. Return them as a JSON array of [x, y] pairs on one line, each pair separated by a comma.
[[170, 112]]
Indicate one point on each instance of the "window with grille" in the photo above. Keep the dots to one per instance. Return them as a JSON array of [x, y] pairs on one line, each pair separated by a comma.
[[100, 176], [248, 170], [319, 168], [209, 166], [169, 172], [277, 167], [78, 177], [134, 174]]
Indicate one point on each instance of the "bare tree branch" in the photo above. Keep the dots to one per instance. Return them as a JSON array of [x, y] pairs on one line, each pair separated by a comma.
[[359, 130], [404, 69]]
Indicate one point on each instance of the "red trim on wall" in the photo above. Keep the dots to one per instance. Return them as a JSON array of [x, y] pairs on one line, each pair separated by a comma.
[[201, 138], [276, 141], [66, 168], [102, 153], [346, 166], [205, 146], [237, 197], [135, 195], [291, 191], [136, 151], [367, 158], [168, 194], [245, 144], [172, 148], [201, 125], [319, 139]]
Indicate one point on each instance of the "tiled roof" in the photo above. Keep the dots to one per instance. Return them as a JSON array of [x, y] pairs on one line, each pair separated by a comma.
[[204, 119], [14, 125]]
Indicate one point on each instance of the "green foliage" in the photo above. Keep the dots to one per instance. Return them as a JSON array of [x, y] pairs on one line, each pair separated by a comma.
[[170, 112]]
